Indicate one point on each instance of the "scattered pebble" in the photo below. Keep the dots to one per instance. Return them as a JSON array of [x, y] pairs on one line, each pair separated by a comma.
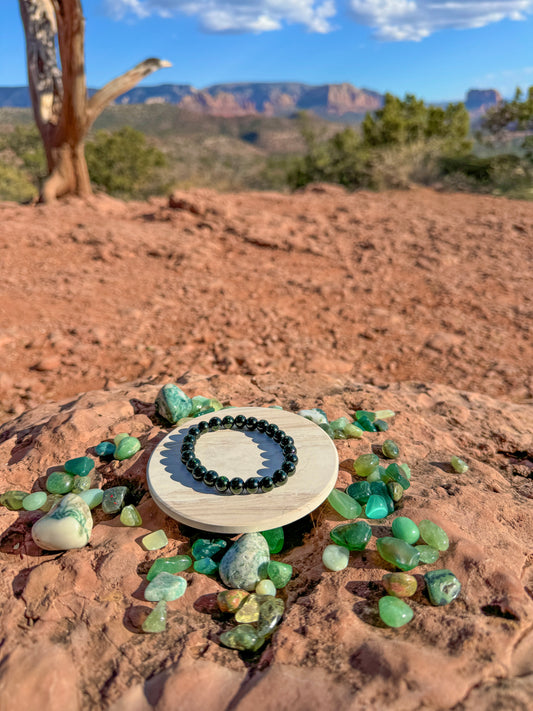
[[459, 465], [394, 612], [175, 564], [156, 540], [335, 557]]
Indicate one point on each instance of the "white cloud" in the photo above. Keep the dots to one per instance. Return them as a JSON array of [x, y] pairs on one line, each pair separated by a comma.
[[415, 19]]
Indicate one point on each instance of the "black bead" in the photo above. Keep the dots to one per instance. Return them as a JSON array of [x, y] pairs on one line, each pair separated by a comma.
[[289, 449], [198, 472], [189, 438], [286, 440], [279, 477], [227, 422], [252, 485], [187, 447], [262, 425], [236, 485], [203, 426], [221, 484], [240, 422], [271, 429], [210, 478], [186, 456], [267, 483], [192, 463], [278, 435], [251, 423], [215, 423], [288, 467], [194, 431], [292, 457]]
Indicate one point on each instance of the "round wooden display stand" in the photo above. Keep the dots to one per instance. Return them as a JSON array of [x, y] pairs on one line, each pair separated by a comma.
[[242, 453]]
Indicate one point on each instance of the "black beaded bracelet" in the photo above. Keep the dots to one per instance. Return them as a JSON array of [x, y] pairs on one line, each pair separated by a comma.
[[237, 485]]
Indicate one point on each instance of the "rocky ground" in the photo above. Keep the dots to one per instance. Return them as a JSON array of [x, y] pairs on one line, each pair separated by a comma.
[[415, 301]]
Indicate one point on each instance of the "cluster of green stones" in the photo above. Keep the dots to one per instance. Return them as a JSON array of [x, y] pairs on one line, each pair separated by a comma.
[[123, 446], [178, 408], [344, 428]]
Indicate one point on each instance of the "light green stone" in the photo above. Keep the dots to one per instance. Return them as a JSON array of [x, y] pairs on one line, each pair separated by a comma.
[[398, 552], [126, 448], [279, 573], [92, 497], [338, 426], [175, 564], [406, 470], [433, 535], [249, 610], [428, 555], [265, 587], [157, 619], [243, 638], [394, 612], [407, 530], [376, 507], [172, 403], [81, 483], [206, 566], [129, 516], [113, 499], [59, 483], [344, 504], [165, 586], [13, 499], [200, 406], [34, 501], [395, 490], [384, 414], [375, 475], [365, 464], [390, 449], [270, 613], [51, 501], [316, 415], [335, 557], [156, 540], [207, 547], [275, 539], [119, 437], [68, 525], [80, 466], [396, 474], [353, 536], [241, 565], [352, 431], [460, 466]]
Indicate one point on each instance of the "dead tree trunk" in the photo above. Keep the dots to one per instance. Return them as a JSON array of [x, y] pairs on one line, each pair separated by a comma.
[[63, 112]]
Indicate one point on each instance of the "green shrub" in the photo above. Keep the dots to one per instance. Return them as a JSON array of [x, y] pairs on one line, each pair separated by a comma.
[[24, 142], [15, 184]]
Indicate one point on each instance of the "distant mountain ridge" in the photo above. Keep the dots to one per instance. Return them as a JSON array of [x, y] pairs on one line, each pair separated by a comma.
[[261, 98]]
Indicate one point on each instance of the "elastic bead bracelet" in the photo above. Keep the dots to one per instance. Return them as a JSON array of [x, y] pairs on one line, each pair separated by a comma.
[[236, 485]]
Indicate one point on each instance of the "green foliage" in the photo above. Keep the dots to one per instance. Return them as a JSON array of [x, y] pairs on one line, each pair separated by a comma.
[[15, 185], [124, 164], [26, 145]]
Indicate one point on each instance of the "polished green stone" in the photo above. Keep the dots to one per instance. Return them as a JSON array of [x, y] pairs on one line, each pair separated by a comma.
[[155, 540], [353, 431], [360, 491], [105, 449], [92, 497], [172, 403], [157, 619], [52, 500], [316, 415], [80, 466], [13, 499], [394, 473], [32, 502], [365, 413], [270, 614], [200, 405], [381, 425], [353, 536], [407, 530], [279, 573], [249, 610], [398, 552], [384, 414], [113, 499], [265, 587], [395, 490], [119, 437], [207, 547], [400, 584], [175, 564], [165, 586], [127, 447], [206, 566], [365, 464], [243, 637], [378, 487], [428, 554], [338, 426], [366, 423], [129, 516], [335, 557], [442, 585], [390, 449], [460, 466], [394, 612], [81, 483], [375, 475], [406, 470], [59, 483], [433, 535], [344, 504], [275, 539], [376, 507], [327, 429]]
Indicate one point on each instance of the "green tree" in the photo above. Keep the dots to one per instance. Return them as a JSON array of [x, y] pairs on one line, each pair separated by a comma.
[[25, 142], [510, 116]]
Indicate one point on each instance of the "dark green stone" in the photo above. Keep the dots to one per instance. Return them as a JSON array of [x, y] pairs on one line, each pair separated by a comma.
[[398, 552], [270, 614], [275, 539], [442, 585], [353, 536], [360, 491], [366, 424], [207, 547], [113, 499], [365, 413], [381, 425], [105, 449], [394, 473], [206, 566], [80, 466]]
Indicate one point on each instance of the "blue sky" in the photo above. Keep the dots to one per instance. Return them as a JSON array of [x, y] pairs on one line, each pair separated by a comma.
[[436, 49]]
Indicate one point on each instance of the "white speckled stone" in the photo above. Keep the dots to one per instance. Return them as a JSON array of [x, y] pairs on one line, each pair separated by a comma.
[[240, 566], [67, 525]]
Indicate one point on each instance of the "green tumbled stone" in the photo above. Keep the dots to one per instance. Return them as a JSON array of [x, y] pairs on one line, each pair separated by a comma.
[[365, 413], [172, 403], [129, 516], [157, 619], [376, 507], [428, 554], [365, 464], [374, 476], [200, 405], [394, 612], [79, 466], [434, 535], [81, 483], [390, 449], [335, 557], [459, 465], [316, 415], [394, 473], [406, 470], [338, 426], [360, 491], [113, 499], [395, 490], [366, 424], [175, 564], [249, 610], [59, 483], [206, 566], [207, 547], [52, 500], [279, 573], [231, 600], [407, 530], [398, 552], [92, 497], [353, 536], [400, 584], [381, 425], [344, 504], [32, 502], [13, 499], [156, 540], [384, 414], [243, 637], [352, 431], [379, 488], [327, 429], [119, 437], [443, 587], [165, 586], [105, 449], [270, 614], [275, 539], [265, 587], [127, 447]]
